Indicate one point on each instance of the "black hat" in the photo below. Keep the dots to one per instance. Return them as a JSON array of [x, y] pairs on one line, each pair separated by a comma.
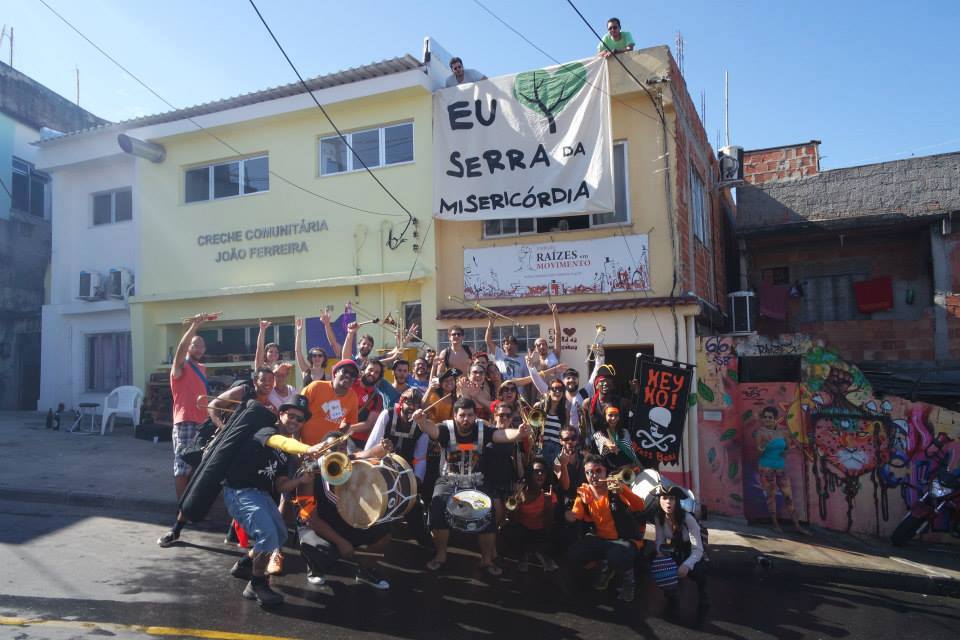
[[671, 490], [451, 373], [300, 403]]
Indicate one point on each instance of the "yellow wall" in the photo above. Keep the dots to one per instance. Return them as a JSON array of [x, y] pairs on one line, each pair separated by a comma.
[[178, 278], [635, 121]]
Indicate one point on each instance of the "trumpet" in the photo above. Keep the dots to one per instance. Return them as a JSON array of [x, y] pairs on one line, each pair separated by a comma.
[[596, 349], [513, 502], [625, 476], [204, 402], [487, 311]]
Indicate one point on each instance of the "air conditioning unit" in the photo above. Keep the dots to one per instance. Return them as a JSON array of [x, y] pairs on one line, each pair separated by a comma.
[[730, 159], [120, 283], [91, 285], [743, 312]]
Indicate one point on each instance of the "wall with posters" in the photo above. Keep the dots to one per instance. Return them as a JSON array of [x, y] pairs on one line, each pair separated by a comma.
[[862, 460]]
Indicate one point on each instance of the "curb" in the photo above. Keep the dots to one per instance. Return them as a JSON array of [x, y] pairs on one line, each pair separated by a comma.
[[87, 499]]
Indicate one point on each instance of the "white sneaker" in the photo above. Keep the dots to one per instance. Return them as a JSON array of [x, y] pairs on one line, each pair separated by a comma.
[[316, 580], [547, 563]]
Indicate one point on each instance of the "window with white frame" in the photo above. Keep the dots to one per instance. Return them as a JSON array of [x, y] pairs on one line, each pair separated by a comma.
[[109, 361], [227, 179], [112, 206], [378, 147], [699, 205], [29, 189], [620, 215], [413, 315]]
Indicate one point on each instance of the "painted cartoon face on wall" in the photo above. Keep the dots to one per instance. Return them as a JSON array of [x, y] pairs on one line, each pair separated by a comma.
[[851, 446]]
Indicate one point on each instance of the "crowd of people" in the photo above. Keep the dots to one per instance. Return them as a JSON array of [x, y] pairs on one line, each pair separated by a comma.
[[512, 449]]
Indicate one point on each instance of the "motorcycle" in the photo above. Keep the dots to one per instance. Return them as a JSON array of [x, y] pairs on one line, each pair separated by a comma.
[[942, 497]]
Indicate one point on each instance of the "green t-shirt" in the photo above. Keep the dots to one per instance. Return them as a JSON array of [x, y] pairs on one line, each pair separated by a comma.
[[625, 40]]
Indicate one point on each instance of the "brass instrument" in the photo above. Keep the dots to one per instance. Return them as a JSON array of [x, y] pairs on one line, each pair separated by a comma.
[[371, 321], [335, 467], [388, 321], [513, 502], [625, 476], [204, 402], [487, 311], [536, 418], [205, 316], [596, 349]]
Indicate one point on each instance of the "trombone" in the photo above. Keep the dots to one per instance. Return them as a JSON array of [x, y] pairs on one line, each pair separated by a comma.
[[335, 467], [487, 311]]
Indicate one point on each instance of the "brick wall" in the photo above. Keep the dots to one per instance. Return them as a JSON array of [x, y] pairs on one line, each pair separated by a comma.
[[703, 269], [781, 163], [905, 332]]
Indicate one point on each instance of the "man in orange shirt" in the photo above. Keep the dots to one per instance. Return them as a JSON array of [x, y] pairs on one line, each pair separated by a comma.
[[618, 535], [333, 404], [188, 380]]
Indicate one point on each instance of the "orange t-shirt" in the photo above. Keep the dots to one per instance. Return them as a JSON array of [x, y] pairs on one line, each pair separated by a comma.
[[530, 514], [597, 510], [186, 389], [328, 411]]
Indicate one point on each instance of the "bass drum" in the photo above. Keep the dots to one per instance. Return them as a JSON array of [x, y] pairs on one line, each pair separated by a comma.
[[377, 492], [469, 511]]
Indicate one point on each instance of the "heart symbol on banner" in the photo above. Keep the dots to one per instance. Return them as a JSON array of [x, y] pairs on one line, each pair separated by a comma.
[[570, 331], [548, 92]]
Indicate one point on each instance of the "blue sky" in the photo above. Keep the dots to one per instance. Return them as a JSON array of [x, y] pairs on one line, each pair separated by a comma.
[[873, 80]]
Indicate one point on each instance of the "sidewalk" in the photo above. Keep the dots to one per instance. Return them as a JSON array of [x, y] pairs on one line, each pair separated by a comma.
[[121, 472]]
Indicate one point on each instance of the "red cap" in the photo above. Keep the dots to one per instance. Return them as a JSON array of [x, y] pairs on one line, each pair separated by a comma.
[[346, 363]]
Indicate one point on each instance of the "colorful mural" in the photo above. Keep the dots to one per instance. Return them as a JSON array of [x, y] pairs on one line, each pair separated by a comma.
[[862, 460], [781, 400], [721, 487]]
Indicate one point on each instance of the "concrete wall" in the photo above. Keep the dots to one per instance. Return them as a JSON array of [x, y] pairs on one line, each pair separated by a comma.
[[858, 453], [182, 275], [78, 245]]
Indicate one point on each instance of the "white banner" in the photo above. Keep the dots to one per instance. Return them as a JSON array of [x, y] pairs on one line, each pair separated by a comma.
[[605, 265], [529, 145]]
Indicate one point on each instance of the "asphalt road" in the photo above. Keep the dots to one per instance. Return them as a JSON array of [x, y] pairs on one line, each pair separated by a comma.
[[86, 573]]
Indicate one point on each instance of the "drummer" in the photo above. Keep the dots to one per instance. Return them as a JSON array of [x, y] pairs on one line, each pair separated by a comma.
[[462, 441], [395, 431], [327, 537]]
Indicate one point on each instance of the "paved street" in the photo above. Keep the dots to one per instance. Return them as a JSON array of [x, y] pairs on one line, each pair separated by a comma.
[[73, 565]]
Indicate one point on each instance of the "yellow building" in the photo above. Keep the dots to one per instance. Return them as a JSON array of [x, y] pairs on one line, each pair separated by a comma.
[[262, 214], [668, 205]]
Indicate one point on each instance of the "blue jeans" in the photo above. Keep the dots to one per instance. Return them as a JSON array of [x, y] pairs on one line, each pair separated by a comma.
[[258, 515]]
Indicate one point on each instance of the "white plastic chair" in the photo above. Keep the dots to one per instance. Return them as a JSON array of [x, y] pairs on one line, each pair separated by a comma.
[[122, 401]]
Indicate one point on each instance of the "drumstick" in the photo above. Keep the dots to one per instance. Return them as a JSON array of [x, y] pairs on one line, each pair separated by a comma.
[[437, 402]]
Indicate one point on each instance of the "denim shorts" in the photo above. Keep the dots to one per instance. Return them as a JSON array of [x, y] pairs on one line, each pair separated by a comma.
[[259, 516]]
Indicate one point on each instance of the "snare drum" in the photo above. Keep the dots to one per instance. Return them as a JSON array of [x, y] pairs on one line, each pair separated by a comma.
[[378, 491], [469, 510]]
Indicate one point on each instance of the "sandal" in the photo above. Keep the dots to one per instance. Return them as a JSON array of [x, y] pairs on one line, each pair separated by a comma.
[[492, 570], [435, 565]]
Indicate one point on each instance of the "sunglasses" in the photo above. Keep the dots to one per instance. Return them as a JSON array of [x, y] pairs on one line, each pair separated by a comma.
[[296, 418], [556, 389], [348, 374], [540, 471], [317, 355], [568, 439], [514, 389]]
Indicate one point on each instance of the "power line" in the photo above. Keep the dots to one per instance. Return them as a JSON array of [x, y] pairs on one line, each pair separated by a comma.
[[662, 121], [201, 127], [393, 243]]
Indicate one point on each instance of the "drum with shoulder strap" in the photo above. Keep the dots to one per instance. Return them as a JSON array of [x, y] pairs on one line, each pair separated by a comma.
[[377, 492]]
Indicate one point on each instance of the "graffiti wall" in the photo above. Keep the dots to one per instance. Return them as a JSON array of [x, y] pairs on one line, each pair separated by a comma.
[[720, 443], [860, 459], [771, 411]]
